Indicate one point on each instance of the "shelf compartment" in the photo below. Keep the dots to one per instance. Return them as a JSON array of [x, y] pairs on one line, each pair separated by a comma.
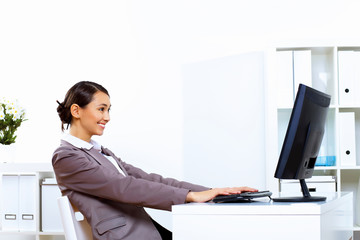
[[357, 132], [350, 183]]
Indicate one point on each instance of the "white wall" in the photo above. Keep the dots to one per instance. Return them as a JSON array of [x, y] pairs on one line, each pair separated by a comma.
[[224, 121], [137, 49]]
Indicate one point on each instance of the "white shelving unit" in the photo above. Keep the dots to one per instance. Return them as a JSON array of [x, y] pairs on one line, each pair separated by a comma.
[[41, 170], [324, 77]]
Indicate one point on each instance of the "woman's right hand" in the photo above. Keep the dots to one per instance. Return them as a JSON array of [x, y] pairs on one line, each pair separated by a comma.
[[205, 196]]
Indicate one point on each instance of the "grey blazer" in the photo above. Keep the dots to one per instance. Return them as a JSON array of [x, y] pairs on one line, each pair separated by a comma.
[[111, 202]]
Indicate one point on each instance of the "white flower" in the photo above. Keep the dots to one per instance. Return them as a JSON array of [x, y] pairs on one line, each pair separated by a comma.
[[15, 110], [3, 100], [9, 106], [12, 109]]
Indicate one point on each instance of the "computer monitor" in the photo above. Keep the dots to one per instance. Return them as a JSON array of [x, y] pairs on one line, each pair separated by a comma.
[[303, 140]]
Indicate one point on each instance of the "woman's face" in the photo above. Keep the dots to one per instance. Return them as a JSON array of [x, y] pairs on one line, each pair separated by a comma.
[[93, 117]]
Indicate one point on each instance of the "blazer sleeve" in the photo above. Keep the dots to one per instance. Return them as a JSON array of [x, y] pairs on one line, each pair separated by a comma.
[[139, 173], [76, 171]]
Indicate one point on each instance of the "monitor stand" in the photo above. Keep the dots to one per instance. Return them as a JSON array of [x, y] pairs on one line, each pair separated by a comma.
[[305, 198]]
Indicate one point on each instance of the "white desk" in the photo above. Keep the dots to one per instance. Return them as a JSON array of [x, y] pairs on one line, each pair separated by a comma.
[[329, 220]]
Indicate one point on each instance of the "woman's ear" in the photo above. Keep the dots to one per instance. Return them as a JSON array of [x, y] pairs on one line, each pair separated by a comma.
[[75, 110]]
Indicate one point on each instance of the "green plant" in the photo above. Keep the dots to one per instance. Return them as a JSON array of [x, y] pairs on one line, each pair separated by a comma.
[[11, 117]]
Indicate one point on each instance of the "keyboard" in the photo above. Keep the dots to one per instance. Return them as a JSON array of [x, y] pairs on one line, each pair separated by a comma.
[[241, 197]]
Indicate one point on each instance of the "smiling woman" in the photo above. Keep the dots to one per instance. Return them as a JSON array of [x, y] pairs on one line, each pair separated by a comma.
[[108, 191]]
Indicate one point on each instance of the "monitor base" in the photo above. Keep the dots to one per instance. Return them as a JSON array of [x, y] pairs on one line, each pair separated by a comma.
[[306, 197], [299, 199]]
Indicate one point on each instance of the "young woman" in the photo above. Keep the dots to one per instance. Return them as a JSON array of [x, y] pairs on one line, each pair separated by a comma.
[[109, 192]]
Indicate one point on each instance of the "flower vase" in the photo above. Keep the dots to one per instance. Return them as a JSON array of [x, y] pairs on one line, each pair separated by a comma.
[[7, 153]]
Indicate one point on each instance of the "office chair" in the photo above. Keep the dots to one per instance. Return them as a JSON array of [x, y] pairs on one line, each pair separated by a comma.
[[75, 225]]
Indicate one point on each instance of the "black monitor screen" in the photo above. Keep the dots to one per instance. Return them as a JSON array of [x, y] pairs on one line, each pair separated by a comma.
[[303, 139]]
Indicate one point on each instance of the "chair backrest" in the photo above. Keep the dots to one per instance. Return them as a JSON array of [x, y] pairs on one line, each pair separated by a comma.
[[75, 225]]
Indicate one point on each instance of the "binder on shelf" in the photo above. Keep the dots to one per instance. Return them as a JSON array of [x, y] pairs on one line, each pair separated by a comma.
[[325, 161], [285, 82], [347, 138], [302, 69], [357, 206], [348, 67], [27, 202], [50, 214], [10, 203], [18, 202], [357, 77]]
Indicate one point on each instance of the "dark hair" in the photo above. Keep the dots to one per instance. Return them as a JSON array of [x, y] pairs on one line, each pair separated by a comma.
[[81, 94]]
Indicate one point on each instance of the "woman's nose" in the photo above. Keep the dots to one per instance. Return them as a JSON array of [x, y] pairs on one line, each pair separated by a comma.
[[107, 116]]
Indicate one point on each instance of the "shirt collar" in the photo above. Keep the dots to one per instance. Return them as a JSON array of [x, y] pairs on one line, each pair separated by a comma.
[[77, 142]]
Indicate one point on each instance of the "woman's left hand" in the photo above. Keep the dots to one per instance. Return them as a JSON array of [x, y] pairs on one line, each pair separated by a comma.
[[205, 196]]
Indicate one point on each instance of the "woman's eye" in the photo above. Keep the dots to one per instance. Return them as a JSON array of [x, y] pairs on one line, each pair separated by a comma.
[[101, 109]]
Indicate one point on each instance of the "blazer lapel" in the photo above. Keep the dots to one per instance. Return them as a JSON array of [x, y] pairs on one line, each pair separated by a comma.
[[109, 153], [98, 157]]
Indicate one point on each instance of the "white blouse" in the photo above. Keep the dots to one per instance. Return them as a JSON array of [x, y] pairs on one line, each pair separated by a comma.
[[77, 142]]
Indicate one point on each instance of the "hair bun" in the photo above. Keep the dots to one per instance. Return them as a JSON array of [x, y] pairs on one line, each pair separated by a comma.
[[65, 116], [60, 104]]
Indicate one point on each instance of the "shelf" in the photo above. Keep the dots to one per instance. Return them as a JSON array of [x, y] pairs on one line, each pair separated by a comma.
[[349, 48], [26, 167], [285, 108], [41, 170], [17, 233], [350, 168], [51, 233], [349, 106], [335, 168], [325, 168], [314, 49]]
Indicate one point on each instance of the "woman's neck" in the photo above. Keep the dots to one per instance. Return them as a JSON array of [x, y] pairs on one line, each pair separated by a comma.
[[74, 132]]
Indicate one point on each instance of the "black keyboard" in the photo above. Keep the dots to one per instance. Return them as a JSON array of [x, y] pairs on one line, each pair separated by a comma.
[[241, 197]]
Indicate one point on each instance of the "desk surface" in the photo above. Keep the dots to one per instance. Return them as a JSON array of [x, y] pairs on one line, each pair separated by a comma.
[[265, 206], [327, 220]]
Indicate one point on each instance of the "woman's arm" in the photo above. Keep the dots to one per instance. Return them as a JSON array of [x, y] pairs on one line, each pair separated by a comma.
[[140, 174], [78, 172], [197, 193]]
